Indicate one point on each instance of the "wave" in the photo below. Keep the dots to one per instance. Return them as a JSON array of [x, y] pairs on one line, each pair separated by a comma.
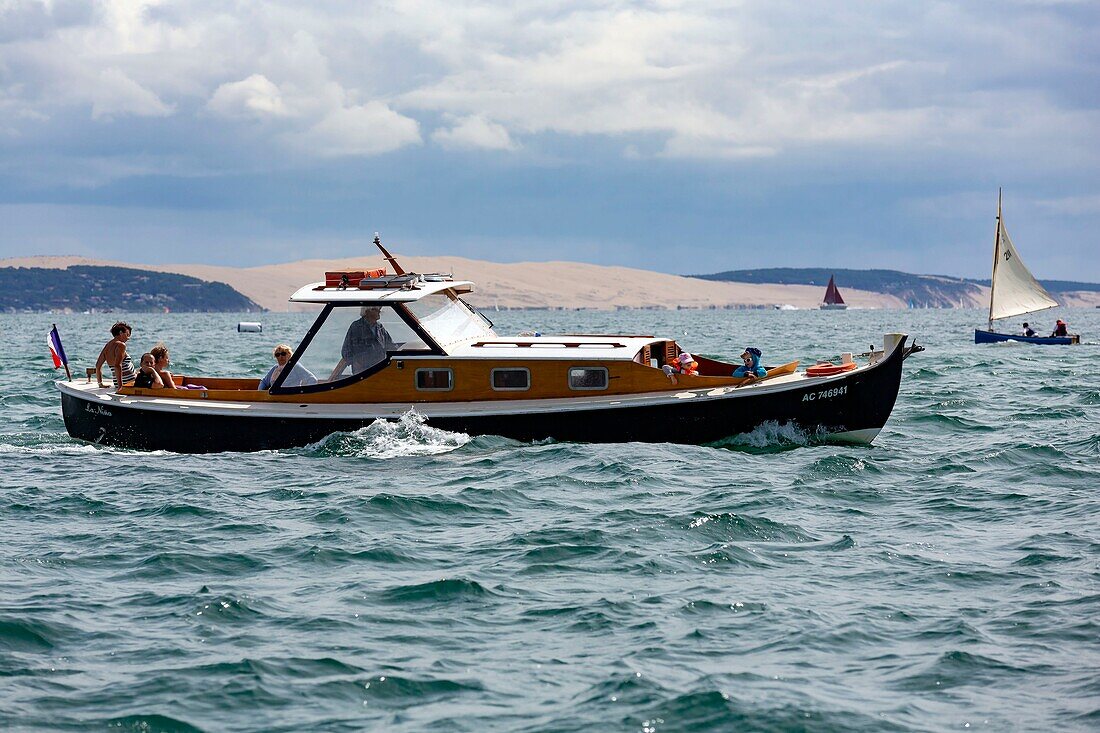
[[228, 609], [410, 435], [844, 465], [627, 688], [168, 564], [729, 527], [556, 554], [730, 554], [389, 687], [444, 590], [1034, 559], [337, 557], [432, 508], [716, 710], [150, 723], [705, 607], [959, 669], [26, 636]]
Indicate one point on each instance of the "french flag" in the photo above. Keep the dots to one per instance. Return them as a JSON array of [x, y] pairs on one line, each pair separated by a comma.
[[57, 351]]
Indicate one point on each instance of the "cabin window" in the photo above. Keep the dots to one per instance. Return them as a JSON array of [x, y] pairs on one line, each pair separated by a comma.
[[354, 339], [588, 378], [511, 379], [435, 380], [449, 320]]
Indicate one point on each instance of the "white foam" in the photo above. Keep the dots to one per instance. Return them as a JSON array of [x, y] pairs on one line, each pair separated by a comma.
[[384, 439], [52, 449], [772, 433]]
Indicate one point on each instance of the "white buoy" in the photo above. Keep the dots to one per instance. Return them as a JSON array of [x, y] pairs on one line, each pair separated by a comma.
[[250, 327]]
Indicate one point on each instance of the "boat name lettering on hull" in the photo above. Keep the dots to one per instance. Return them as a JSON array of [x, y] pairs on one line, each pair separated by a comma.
[[97, 410], [825, 394]]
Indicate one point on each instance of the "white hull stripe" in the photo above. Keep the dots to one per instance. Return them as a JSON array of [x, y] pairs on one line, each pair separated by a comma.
[[292, 410]]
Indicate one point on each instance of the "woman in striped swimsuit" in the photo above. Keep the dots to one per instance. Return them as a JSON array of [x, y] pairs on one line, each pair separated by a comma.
[[114, 355]]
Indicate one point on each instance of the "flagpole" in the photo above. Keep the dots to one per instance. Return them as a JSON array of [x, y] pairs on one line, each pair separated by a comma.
[[66, 362]]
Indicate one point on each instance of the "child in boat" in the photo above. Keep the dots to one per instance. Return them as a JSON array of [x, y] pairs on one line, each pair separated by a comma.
[[147, 377], [161, 362], [688, 365], [683, 364], [751, 367], [1028, 330]]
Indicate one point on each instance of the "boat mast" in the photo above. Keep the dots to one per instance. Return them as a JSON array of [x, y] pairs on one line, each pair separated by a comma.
[[996, 251], [397, 269]]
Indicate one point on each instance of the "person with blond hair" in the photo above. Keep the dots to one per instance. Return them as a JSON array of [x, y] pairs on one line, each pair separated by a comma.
[[160, 354], [299, 376]]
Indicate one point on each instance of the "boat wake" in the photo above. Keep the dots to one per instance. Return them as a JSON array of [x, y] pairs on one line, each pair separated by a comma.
[[410, 435], [45, 443]]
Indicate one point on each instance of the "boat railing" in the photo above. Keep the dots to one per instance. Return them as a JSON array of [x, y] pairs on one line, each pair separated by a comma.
[[543, 344]]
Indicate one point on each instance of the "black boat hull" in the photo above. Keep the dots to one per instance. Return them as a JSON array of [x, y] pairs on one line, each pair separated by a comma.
[[852, 406]]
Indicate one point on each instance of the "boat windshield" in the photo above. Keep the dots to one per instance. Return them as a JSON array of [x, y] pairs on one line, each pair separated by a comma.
[[448, 320], [355, 338]]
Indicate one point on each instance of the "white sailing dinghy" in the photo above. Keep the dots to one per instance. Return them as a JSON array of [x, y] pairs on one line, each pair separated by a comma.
[[1014, 291]]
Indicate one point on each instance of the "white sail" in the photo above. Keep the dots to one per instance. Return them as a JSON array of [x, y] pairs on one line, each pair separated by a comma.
[[1015, 290]]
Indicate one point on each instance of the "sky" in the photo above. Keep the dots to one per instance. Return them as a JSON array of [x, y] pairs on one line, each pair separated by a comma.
[[685, 137]]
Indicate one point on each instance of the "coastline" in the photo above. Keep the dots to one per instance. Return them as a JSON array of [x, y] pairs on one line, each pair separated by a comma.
[[538, 285], [511, 286]]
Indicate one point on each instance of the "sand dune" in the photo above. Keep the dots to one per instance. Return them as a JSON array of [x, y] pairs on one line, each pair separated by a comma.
[[514, 285]]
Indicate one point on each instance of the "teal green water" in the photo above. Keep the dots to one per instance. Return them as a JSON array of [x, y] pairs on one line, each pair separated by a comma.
[[407, 579]]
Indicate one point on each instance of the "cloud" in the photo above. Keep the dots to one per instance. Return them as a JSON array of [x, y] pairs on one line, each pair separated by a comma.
[[685, 146], [733, 102], [731, 81], [1072, 205], [367, 129], [255, 97], [474, 132], [115, 95]]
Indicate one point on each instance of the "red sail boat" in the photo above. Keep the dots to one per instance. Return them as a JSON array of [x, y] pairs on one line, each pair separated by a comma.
[[833, 301]]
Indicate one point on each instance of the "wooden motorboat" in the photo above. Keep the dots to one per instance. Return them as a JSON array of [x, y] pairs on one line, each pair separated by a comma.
[[1014, 291], [444, 360]]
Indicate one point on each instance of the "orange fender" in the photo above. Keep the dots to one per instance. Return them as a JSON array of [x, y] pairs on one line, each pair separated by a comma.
[[828, 370]]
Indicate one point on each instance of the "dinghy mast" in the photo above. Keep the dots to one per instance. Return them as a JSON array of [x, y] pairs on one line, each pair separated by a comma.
[[996, 256]]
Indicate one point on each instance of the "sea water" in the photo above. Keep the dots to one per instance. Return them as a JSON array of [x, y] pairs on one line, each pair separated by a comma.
[[405, 578]]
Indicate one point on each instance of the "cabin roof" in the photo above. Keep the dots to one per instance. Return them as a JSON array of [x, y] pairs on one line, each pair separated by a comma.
[[318, 293]]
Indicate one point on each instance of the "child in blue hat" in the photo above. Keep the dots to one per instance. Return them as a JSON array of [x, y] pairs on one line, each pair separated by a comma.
[[751, 367]]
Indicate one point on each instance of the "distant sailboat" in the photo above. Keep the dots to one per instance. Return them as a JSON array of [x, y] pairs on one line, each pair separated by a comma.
[[833, 301], [1014, 291]]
